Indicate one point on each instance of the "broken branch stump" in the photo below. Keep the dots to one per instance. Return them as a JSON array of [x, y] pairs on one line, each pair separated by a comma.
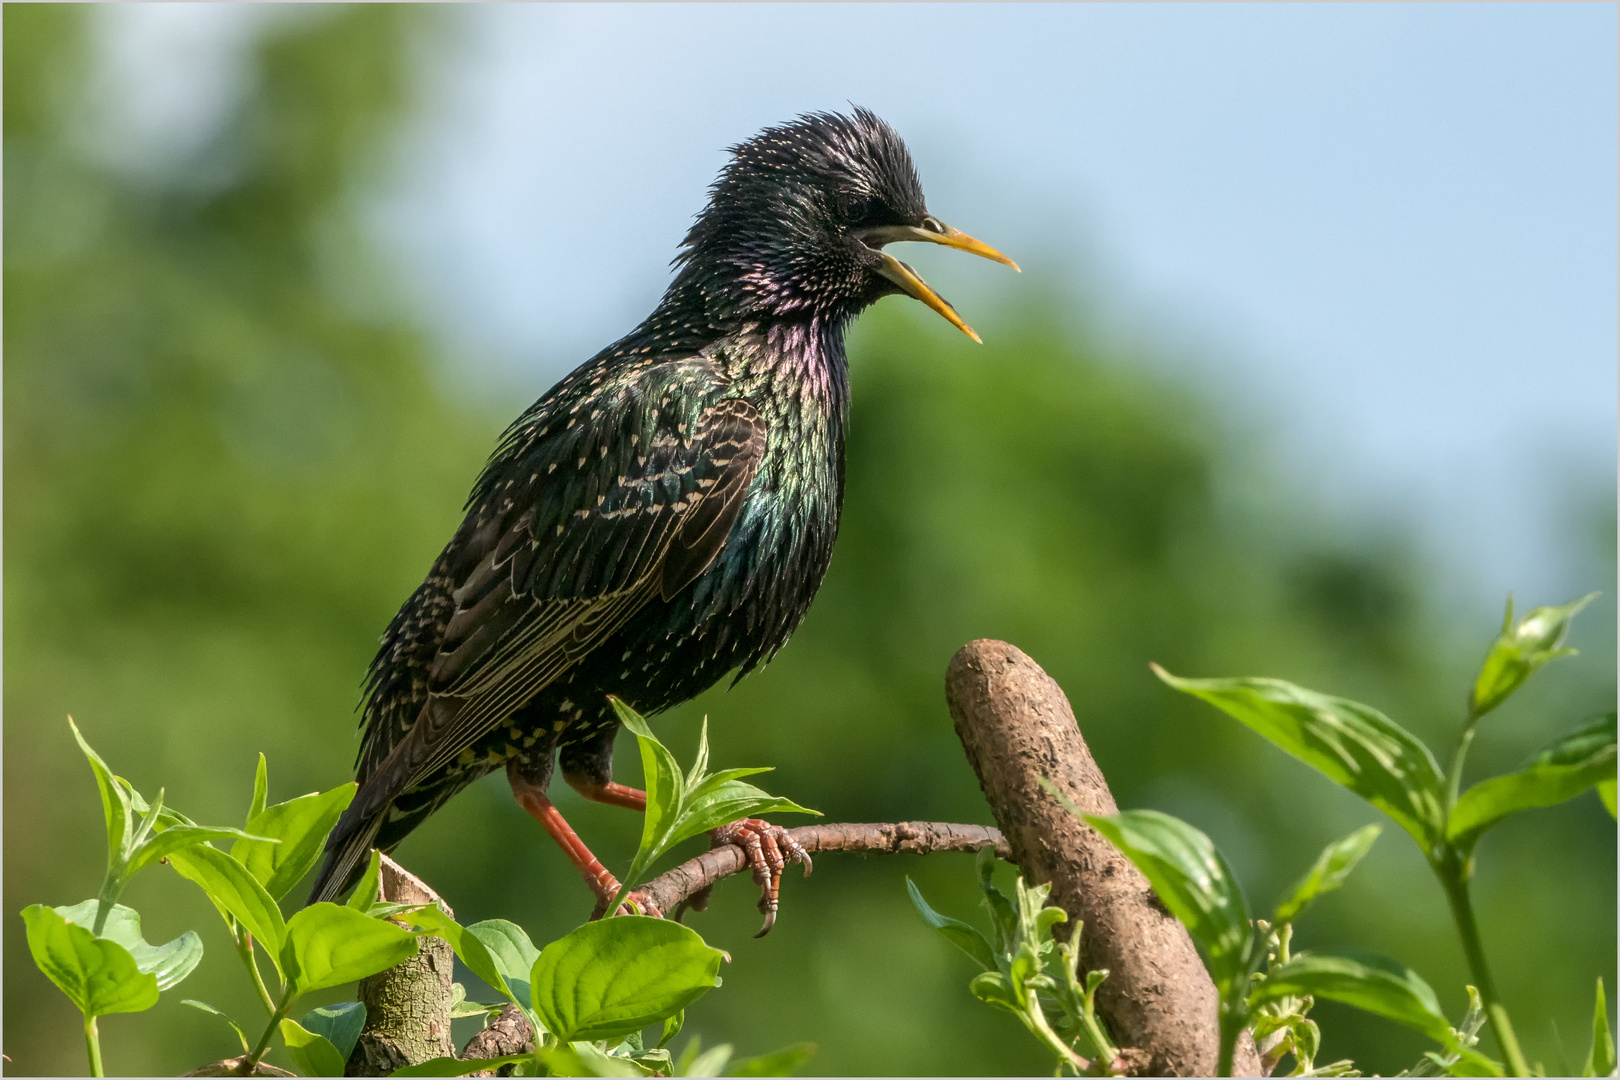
[[1016, 725], [407, 1006]]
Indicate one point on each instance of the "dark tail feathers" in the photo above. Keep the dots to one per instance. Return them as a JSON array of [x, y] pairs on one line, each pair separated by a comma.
[[347, 851]]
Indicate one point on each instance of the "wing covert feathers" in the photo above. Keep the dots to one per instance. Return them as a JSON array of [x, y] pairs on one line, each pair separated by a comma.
[[582, 528]]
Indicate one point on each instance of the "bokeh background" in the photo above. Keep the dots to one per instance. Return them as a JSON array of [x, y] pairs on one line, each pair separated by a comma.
[[1312, 361]]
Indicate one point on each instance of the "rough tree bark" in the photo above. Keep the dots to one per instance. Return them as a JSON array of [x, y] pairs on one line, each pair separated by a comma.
[[1016, 725], [407, 1006]]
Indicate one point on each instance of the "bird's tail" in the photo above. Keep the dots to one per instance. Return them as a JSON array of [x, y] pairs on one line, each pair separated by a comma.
[[346, 858]]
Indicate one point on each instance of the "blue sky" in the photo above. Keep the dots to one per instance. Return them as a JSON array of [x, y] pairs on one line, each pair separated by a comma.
[[1388, 232]]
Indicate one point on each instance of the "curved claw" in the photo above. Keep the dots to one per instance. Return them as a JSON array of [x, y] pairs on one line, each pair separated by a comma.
[[768, 849]]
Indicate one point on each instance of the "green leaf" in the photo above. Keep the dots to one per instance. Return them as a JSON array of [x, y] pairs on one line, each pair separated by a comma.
[[511, 951], [365, 894], [178, 837], [666, 787], [1329, 872], [1195, 884], [470, 950], [584, 1059], [721, 800], [168, 963], [328, 945], [339, 1024], [994, 988], [207, 1008], [955, 931], [313, 1054], [1003, 917], [712, 1062], [301, 825], [449, 1066], [777, 1063], [261, 790], [1349, 743], [1606, 792], [672, 1027], [115, 804], [609, 978], [1520, 651], [1372, 983], [1600, 1059], [1561, 771], [98, 975], [236, 893]]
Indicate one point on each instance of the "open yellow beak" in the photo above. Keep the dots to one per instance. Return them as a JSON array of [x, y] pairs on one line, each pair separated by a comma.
[[932, 231]]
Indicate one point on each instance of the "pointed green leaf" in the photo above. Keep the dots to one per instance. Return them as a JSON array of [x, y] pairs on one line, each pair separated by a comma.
[[313, 1054], [365, 893], [1194, 882], [616, 976], [1606, 792], [207, 1008], [777, 1063], [511, 950], [1329, 872], [1348, 742], [261, 790], [955, 931], [672, 1027], [725, 802], [301, 825], [176, 837], [339, 1024], [1561, 771], [666, 787], [168, 963], [700, 761], [115, 803], [712, 1062], [1373, 983], [1600, 1059], [449, 1066], [98, 976], [236, 893], [328, 945], [1520, 651]]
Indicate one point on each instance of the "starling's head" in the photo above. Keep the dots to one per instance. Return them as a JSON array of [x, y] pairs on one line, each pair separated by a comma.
[[797, 222]]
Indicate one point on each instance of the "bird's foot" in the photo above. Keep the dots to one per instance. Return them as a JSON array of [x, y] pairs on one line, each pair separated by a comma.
[[768, 849], [635, 902]]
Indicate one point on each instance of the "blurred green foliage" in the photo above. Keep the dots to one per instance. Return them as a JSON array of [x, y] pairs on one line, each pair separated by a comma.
[[229, 457]]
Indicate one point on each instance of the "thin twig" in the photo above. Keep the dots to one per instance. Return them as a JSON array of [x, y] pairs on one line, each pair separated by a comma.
[[675, 887]]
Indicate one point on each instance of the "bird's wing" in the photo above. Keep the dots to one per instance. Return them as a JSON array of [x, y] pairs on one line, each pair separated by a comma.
[[560, 562]]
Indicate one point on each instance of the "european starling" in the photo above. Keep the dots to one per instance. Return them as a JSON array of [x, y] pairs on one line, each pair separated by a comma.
[[662, 516]]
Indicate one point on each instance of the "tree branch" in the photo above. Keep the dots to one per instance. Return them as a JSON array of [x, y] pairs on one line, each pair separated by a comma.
[[690, 879], [1016, 725]]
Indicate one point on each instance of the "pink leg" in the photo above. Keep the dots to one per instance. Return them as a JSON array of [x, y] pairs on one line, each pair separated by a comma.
[[597, 876]]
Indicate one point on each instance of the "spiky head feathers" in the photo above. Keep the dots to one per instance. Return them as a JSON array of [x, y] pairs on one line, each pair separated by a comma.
[[778, 237]]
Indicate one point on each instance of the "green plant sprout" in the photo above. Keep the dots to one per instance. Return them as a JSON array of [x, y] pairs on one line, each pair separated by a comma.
[[1365, 751], [588, 995], [683, 805], [1029, 973]]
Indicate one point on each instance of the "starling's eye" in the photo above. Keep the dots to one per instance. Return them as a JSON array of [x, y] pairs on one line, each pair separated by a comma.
[[854, 207]]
